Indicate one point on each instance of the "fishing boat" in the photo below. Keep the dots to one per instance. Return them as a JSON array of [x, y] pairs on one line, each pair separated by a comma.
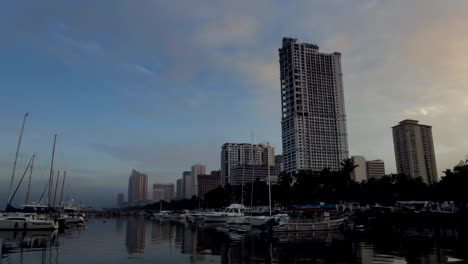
[[26, 222], [232, 211]]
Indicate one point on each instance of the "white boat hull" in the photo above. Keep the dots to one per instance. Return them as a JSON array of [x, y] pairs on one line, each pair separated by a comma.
[[215, 218], [6, 224], [313, 226], [74, 220], [237, 220]]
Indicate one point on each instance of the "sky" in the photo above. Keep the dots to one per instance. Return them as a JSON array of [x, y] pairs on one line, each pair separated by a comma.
[[160, 85]]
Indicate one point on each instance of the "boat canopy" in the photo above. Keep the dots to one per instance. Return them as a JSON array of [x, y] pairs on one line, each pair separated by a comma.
[[314, 207]]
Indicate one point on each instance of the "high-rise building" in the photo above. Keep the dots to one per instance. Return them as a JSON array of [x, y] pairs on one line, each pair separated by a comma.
[[359, 173], [137, 188], [197, 169], [414, 150], [120, 200], [163, 192], [279, 165], [207, 183], [375, 169], [248, 173], [235, 154], [187, 184], [179, 193], [313, 117]]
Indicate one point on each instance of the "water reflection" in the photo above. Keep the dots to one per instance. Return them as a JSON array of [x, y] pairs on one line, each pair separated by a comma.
[[104, 241], [135, 236], [21, 242]]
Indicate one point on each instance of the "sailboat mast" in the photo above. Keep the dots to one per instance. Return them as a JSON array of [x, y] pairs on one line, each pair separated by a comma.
[[51, 174], [30, 177], [63, 185], [56, 186], [16, 157]]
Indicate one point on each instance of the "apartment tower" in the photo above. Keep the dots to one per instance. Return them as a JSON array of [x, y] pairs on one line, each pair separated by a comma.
[[414, 150], [313, 112], [238, 154], [137, 188]]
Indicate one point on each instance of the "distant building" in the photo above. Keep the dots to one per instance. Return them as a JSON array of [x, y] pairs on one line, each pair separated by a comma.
[[197, 169], [207, 183], [313, 119], [163, 192], [187, 184], [120, 200], [414, 150], [179, 193], [375, 169], [360, 173], [137, 188], [235, 154], [250, 173], [279, 165]]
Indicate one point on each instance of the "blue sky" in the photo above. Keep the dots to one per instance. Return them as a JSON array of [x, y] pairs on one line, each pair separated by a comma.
[[160, 85]]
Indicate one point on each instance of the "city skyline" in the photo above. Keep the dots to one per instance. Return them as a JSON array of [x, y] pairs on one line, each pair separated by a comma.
[[123, 87]]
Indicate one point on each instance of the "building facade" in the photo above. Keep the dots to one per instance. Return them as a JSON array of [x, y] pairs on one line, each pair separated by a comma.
[[279, 165], [313, 120], [235, 154], [163, 192], [187, 184], [375, 169], [248, 173], [359, 173], [414, 150], [207, 183], [197, 169], [120, 200], [179, 193], [137, 188]]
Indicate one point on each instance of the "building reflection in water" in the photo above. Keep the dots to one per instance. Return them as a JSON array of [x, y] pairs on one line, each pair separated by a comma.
[[119, 225], [136, 235]]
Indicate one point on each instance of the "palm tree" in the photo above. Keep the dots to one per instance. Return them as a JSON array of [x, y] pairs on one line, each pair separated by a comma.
[[347, 168]]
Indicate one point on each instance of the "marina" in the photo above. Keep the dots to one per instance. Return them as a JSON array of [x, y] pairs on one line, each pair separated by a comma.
[[142, 240]]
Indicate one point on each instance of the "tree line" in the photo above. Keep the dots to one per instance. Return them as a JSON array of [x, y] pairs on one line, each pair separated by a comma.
[[307, 187]]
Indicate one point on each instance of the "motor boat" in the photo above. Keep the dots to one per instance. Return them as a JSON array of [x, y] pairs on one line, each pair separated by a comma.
[[232, 211], [27, 222]]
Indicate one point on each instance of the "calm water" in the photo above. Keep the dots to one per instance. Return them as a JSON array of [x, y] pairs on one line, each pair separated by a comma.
[[137, 240]]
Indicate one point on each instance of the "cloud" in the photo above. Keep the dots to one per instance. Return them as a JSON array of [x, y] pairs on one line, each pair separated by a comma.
[[210, 69]]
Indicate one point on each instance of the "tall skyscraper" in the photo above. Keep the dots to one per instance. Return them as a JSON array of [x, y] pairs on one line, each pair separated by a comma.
[[414, 150], [360, 172], [313, 112], [163, 192], [375, 169], [187, 184], [207, 183], [236, 154], [120, 200], [197, 169], [137, 188], [179, 193]]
